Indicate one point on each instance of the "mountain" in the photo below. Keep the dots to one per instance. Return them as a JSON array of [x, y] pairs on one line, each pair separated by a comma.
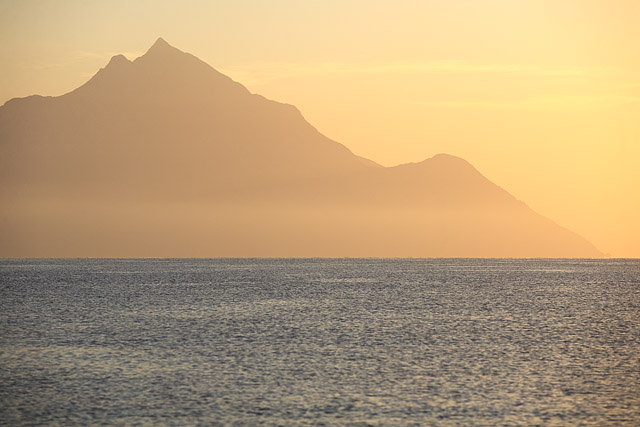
[[165, 156]]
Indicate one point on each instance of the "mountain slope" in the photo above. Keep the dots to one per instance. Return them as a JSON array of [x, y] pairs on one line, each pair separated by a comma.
[[165, 156]]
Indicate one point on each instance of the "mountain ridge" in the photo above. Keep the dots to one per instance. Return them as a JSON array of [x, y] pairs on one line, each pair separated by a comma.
[[168, 129]]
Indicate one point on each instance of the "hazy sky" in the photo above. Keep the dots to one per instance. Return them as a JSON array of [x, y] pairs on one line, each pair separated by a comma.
[[542, 96]]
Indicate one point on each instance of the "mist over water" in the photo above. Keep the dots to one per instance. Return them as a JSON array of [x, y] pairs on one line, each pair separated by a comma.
[[333, 341]]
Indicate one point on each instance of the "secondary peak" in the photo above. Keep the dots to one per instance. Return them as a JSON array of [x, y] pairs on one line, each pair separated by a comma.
[[117, 60]]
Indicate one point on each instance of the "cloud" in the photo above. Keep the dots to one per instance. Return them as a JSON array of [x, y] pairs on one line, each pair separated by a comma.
[[545, 102], [594, 96], [266, 72]]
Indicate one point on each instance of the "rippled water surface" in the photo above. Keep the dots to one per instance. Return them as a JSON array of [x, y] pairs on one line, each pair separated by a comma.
[[316, 341]]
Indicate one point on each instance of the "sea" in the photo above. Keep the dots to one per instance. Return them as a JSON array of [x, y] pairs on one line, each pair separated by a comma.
[[319, 342]]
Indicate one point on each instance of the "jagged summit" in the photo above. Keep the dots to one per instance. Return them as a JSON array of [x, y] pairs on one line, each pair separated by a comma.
[[182, 70], [161, 48], [162, 72], [160, 43]]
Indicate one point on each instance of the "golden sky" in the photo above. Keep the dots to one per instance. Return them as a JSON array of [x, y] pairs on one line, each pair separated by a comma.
[[542, 96]]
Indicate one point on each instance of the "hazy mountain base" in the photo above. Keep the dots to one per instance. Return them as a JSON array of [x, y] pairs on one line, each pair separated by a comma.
[[164, 156], [268, 230]]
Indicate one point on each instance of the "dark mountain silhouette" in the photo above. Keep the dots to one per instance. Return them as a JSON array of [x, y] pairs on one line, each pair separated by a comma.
[[165, 156]]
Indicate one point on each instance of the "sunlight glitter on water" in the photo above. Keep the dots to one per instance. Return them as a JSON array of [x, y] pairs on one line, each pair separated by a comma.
[[341, 341]]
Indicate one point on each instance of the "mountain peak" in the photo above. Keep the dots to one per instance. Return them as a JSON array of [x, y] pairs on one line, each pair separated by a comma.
[[449, 159], [118, 60], [161, 49], [160, 42], [160, 45]]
